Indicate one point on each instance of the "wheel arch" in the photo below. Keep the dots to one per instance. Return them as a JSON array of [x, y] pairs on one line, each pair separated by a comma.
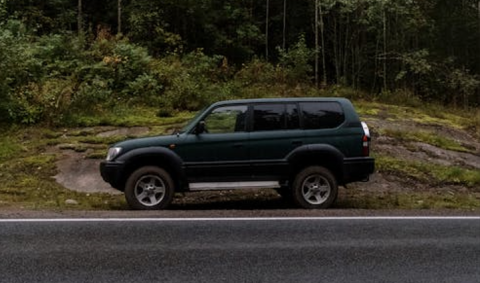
[[153, 156], [317, 155]]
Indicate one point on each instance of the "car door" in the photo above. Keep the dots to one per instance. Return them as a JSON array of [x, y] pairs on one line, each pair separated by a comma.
[[275, 133], [220, 151]]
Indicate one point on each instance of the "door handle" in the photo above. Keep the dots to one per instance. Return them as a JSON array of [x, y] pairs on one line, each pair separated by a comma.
[[297, 142], [236, 145]]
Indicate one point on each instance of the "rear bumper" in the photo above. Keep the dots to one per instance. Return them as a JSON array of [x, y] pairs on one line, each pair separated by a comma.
[[111, 173], [357, 169]]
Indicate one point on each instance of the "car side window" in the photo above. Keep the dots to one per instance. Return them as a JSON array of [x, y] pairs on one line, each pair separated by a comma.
[[268, 117], [271, 117], [292, 117], [226, 119], [322, 115]]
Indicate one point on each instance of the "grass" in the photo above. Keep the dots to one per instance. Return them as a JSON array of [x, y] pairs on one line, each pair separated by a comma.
[[428, 114], [425, 137], [429, 173], [127, 117], [411, 200], [26, 169], [27, 183], [9, 148]]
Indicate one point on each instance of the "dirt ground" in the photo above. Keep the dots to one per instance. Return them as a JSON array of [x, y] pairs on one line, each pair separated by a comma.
[[76, 172]]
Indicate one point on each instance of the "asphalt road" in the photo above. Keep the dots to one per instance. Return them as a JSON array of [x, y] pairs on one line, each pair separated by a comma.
[[241, 250]]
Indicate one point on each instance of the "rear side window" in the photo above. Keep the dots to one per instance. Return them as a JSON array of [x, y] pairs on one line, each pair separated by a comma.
[[268, 117], [272, 117], [321, 115], [293, 118]]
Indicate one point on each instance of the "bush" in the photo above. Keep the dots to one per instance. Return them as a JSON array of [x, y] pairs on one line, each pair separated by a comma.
[[116, 63], [259, 72], [19, 68], [296, 62], [190, 82], [56, 76], [144, 88], [60, 54], [91, 96]]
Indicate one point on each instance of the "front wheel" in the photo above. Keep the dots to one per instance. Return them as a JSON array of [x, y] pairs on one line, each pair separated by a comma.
[[149, 188], [315, 187]]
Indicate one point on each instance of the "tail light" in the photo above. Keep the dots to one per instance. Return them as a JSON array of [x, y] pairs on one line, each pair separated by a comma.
[[365, 140]]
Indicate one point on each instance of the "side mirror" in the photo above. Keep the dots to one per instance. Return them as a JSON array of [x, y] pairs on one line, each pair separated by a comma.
[[200, 129]]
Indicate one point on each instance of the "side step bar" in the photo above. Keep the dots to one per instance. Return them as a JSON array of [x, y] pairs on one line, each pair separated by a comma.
[[233, 185]]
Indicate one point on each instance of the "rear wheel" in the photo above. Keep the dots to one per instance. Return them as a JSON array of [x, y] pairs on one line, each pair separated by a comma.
[[149, 188], [315, 187]]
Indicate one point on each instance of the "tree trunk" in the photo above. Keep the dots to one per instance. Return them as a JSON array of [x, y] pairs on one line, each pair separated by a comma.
[[79, 18], [335, 50], [316, 42], [322, 36], [376, 69], [385, 83], [284, 23], [266, 29], [119, 29], [346, 50]]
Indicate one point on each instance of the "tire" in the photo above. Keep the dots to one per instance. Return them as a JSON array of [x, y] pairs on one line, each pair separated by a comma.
[[149, 188], [315, 187]]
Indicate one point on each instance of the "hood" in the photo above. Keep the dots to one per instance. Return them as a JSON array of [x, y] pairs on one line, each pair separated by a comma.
[[162, 141]]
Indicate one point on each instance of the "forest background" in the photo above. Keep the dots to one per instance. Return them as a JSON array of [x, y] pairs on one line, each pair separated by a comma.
[[62, 58]]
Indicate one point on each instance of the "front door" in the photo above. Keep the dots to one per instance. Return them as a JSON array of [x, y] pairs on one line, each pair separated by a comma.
[[220, 152]]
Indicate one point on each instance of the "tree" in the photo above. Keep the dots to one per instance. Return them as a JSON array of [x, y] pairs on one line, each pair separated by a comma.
[[284, 23], [267, 16], [322, 37], [80, 18], [119, 21], [316, 42], [384, 57], [3, 10]]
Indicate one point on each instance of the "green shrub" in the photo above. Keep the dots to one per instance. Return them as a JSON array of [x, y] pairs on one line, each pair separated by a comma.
[[143, 88], [296, 62], [46, 102], [91, 95], [190, 82], [60, 54], [117, 63], [259, 72], [17, 66]]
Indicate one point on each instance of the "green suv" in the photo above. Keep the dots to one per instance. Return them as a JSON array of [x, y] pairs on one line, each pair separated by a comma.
[[303, 147]]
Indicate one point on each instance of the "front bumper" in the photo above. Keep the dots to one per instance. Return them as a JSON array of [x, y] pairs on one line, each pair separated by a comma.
[[112, 173]]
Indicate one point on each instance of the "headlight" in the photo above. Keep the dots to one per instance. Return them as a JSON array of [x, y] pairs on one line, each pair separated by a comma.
[[113, 152]]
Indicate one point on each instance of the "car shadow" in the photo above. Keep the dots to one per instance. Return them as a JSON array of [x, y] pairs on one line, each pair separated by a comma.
[[230, 200]]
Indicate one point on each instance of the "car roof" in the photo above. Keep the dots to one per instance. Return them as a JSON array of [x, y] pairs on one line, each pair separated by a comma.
[[282, 99]]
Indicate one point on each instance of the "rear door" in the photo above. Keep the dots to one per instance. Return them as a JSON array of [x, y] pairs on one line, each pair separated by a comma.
[[275, 132]]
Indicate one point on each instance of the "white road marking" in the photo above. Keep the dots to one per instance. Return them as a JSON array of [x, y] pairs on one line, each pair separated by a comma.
[[349, 218]]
